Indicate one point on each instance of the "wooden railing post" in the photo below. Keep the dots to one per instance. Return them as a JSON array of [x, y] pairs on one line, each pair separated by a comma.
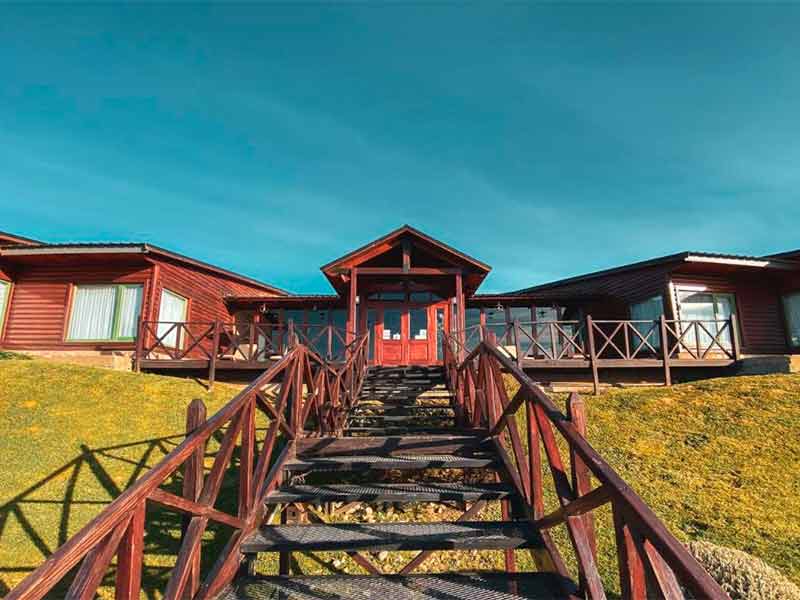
[[212, 362], [193, 486], [137, 359], [290, 338], [592, 353], [581, 477], [665, 351], [517, 346], [130, 558], [735, 341]]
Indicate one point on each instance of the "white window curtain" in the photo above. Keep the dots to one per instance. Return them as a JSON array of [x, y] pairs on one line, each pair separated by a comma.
[[649, 310], [711, 310], [92, 313], [5, 292], [130, 303], [791, 305], [172, 310]]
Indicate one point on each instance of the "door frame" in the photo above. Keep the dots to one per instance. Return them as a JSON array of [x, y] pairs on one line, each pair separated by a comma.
[[405, 335]]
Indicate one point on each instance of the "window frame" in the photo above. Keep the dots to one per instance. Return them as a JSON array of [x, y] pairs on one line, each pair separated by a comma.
[[115, 319], [186, 305], [784, 302], [5, 306]]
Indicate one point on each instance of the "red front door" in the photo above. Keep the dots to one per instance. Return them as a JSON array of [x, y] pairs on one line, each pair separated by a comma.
[[404, 333]]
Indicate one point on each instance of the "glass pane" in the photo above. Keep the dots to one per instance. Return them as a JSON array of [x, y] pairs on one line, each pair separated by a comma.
[[172, 310], [724, 305], [5, 291], [130, 303], [522, 315], [696, 306], [791, 304], [420, 296], [418, 323], [339, 321], [392, 296], [372, 319], [92, 313], [649, 310], [439, 331], [391, 323]]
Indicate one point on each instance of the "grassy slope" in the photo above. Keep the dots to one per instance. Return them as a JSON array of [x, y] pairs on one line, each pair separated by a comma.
[[72, 438], [716, 460]]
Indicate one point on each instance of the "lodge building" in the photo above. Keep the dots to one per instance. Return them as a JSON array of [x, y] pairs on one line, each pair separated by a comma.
[[680, 316]]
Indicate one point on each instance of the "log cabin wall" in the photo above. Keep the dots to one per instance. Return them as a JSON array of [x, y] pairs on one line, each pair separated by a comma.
[[758, 306], [205, 290], [40, 303]]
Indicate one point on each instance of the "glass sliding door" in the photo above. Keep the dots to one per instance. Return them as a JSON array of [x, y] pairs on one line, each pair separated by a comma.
[[649, 310], [791, 308], [711, 310]]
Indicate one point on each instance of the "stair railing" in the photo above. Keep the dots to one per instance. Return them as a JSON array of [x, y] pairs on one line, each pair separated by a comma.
[[652, 562], [301, 394]]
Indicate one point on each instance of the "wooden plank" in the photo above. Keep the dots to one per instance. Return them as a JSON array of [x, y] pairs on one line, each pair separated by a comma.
[[194, 509], [130, 558], [95, 565]]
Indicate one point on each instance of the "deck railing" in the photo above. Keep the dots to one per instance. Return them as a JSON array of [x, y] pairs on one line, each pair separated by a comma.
[[208, 344], [652, 563], [595, 344], [300, 394]]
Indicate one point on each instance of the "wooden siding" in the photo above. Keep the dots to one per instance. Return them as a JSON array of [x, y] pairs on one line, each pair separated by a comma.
[[758, 305], [206, 291], [37, 318]]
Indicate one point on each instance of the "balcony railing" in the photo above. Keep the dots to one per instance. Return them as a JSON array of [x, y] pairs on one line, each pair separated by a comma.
[[597, 344]]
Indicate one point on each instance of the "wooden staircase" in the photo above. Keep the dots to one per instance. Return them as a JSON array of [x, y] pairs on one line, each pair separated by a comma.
[[332, 435], [414, 406]]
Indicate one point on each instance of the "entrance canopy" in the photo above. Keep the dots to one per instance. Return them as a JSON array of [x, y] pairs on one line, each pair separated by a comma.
[[406, 255], [403, 288]]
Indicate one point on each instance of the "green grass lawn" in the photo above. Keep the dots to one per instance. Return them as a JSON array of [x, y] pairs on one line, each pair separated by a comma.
[[72, 439], [717, 460]]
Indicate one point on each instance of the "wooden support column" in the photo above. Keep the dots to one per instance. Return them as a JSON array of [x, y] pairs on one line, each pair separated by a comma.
[[212, 363], [459, 317], [592, 353], [665, 351], [735, 341], [137, 364], [351, 313]]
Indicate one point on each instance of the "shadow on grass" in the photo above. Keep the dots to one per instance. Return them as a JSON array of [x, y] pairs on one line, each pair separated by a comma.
[[162, 525]]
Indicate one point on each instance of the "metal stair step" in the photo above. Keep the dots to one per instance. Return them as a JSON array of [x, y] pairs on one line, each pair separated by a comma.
[[401, 410], [374, 537], [389, 492], [398, 430], [376, 463], [401, 418], [392, 445], [451, 586]]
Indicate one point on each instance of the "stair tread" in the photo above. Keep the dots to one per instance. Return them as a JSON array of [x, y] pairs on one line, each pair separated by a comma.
[[373, 537], [411, 461], [453, 586], [389, 492], [359, 417]]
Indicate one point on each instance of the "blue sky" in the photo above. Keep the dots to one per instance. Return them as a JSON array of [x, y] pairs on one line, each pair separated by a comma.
[[547, 140]]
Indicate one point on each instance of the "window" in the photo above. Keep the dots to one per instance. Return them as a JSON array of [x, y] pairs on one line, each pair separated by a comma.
[[418, 323], [791, 307], [649, 310], [5, 295], [711, 310], [104, 313], [172, 310]]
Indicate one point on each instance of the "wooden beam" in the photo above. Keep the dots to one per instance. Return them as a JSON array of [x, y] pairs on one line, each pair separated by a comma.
[[406, 256], [411, 271], [351, 314]]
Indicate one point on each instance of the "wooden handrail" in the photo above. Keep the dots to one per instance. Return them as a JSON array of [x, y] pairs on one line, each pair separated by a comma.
[[310, 391], [481, 402]]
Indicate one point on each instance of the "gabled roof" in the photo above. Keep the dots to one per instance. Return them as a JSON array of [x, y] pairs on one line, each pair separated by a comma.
[[129, 248], [734, 260], [392, 238], [9, 239]]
